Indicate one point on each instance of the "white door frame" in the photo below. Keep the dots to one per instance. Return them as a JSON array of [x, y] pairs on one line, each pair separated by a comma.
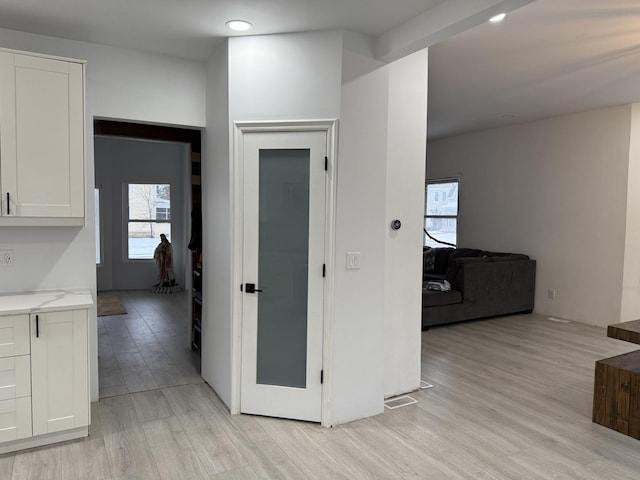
[[237, 235]]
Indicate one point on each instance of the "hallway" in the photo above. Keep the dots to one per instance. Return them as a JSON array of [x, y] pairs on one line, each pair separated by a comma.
[[146, 348]]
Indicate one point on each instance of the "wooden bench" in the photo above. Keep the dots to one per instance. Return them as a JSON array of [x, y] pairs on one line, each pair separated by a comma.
[[616, 390]]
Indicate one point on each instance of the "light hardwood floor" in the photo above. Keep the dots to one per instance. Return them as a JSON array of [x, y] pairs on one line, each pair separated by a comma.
[[512, 400]]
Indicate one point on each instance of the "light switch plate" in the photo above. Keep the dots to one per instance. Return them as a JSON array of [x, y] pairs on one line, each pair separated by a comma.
[[353, 260]]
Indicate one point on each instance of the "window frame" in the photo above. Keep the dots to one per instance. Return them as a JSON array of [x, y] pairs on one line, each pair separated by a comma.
[[456, 217], [127, 221]]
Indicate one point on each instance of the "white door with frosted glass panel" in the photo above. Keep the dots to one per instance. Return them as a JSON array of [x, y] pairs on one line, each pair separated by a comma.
[[283, 285]]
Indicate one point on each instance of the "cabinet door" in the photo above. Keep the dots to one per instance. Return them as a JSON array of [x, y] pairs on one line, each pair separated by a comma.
[[59, 371], [41, 137]]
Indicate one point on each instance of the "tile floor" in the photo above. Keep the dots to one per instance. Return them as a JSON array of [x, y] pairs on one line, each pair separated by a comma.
[[146, 349]]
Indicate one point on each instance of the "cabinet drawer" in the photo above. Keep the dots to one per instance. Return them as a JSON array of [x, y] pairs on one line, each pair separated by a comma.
[[15, 377], [14, 335], [15, 419]]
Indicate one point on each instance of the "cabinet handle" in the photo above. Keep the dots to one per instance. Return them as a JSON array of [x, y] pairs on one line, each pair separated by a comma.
[[37, 327], [8, 211]]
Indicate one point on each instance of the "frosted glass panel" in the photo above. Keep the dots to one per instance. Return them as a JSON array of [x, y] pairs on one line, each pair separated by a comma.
[[283, 267]]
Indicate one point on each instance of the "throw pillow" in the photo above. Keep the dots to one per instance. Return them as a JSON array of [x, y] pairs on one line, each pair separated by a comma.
[[428, 260], [442, 258]]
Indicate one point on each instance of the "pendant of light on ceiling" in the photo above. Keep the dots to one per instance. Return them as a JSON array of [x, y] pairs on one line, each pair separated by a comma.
[[239, 25]]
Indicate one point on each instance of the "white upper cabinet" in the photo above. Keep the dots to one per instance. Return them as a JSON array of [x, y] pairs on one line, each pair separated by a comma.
[[41, 140]]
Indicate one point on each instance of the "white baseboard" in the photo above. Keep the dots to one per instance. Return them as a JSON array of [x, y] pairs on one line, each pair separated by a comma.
[[41, 440]]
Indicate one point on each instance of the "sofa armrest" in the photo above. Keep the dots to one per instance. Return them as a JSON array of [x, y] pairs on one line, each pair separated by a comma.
[[495, 287]]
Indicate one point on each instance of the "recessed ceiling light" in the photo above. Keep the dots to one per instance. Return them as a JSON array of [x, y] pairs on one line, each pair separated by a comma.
[[239, 25], [498, 18]]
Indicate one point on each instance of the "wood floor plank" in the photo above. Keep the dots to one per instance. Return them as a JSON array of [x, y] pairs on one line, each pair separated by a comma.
[[297, 444], [117, 414], [192, 397], [151, 405], [129, 455], [243, 473], [264, 456], [215, 450], [39, 464], [95, 428], [6, 465], [172, 451], [82, 460]]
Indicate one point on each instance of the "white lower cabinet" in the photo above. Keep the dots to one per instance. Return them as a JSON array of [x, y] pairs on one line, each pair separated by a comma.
[[15, 419], [15, 377], [14, 335], [44, 384], [59, 371]]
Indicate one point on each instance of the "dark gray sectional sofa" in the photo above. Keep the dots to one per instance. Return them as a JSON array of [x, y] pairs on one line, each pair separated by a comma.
[[483, 284]]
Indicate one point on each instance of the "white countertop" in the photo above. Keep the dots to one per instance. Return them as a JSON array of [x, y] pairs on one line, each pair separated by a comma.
[[44, 301]]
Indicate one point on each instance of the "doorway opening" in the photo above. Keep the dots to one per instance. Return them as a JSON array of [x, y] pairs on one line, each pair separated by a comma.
[[148, 255]]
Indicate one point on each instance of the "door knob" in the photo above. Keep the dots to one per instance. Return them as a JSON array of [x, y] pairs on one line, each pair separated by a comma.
[[251, 288]]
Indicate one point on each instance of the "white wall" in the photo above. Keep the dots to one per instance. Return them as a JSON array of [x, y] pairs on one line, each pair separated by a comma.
[[380, 177], [121, 84], [216, 236], [275, 77], [630, 309], [358, 383], [128, 84], [554, 189], [284, 77], [120, 161], [405, 169]]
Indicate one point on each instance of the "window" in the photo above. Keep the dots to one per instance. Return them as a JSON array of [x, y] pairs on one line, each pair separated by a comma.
[[441, 213], [149, 207], [163, 213]]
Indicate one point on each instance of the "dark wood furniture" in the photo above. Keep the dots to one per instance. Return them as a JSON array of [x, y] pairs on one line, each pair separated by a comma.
[[616, 390]]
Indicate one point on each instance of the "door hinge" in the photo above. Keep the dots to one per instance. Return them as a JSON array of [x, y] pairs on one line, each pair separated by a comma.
[[326, 164], [324, 270], [321, 377]]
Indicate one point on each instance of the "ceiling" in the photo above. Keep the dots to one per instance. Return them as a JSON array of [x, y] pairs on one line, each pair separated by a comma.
[[193, 28], [547, 58]]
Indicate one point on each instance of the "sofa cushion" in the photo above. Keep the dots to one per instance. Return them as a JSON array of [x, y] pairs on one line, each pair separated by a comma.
[[442, 259], [466, 253], [457, 254], [435, 298], [430, 276]]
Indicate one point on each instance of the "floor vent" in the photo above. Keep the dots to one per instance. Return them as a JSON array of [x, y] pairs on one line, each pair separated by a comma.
[[558, 320], [398, 402], [424, 385]]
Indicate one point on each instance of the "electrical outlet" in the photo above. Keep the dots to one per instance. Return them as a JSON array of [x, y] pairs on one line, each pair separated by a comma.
[[6, 258], [551, 293], [353, 260]]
